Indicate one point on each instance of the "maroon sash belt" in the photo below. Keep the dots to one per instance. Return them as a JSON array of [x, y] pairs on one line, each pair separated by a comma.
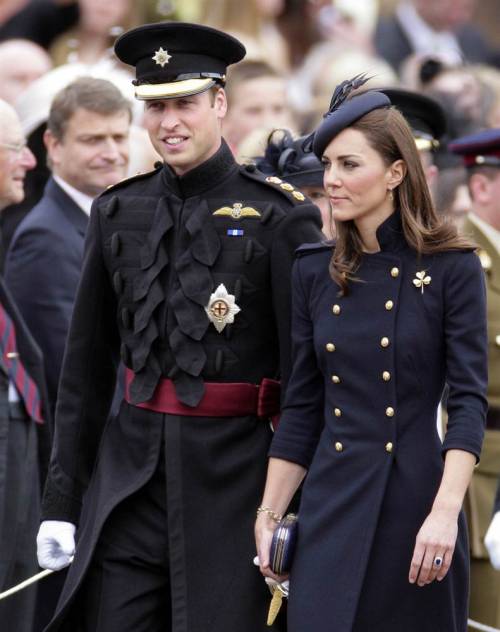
[[221, 399]]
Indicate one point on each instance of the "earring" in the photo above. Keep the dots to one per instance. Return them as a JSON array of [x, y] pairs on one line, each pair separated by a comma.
[[391, 195]]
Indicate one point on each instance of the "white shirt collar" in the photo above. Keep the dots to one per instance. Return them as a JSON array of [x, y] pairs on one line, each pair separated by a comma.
[[491, 234], [424, 39], [81, 199]]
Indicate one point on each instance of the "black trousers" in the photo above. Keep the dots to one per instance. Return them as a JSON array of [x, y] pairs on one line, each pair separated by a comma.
[[19, 515], [127, 587]]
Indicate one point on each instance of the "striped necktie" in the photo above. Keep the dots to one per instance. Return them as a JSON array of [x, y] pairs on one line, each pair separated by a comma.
[[26, 387]]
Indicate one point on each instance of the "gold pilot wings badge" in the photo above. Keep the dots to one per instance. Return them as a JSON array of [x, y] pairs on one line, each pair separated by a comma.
[[238, 211], [221, 308]]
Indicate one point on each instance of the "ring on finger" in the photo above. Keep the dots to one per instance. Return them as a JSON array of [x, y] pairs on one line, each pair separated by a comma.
[[438, 561]]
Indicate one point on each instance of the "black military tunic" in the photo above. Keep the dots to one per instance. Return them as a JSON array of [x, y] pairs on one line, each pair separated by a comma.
[[157, 248]]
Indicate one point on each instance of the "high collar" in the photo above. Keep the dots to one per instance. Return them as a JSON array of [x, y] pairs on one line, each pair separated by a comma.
[[390, 234], [205, 176]]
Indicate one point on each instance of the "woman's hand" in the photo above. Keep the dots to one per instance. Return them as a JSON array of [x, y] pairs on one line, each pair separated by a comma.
[[435, 540], [264, 530]]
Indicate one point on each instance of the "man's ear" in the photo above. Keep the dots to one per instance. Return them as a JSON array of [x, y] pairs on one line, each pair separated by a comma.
[[51, 144], [220, 103], [479, 187]]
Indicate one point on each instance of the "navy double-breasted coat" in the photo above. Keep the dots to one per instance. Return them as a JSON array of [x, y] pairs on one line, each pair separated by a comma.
[[360, 415]]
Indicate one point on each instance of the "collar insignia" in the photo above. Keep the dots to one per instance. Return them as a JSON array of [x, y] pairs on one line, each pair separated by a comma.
[[161, 57], [237, 212], [421, 280], [221, 308], [485, 260]]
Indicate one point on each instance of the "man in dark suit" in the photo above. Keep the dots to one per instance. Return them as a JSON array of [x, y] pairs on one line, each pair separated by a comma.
[[87, 145], [436, 28], [23, 410]]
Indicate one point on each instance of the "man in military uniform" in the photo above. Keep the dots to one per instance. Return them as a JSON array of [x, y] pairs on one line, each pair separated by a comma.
[[187, 272], [427, 121], [481, 156]]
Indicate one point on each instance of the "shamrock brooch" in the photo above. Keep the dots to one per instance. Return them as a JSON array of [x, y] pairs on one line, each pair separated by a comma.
[[421, 281]]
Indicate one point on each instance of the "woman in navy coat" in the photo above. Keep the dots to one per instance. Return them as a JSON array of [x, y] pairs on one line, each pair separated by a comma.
[[382, 320]]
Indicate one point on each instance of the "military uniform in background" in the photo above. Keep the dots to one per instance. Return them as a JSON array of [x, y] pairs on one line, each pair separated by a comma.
[[479, 150]]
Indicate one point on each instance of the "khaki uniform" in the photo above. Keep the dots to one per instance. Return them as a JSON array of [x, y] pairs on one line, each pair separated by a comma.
[[485, 581]]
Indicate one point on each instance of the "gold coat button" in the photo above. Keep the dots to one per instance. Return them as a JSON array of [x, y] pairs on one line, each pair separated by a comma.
[[339, 447], [384, 342], [389, 411], [386, 376], [335, 379], [394, 272], [497, 340], [336, 310], [389, 305], [337, 412], [389, 447], [330, 347]]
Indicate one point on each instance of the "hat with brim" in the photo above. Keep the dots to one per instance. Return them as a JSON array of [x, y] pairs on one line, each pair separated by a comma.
[[424, 115], [175, 59], [481, 149]]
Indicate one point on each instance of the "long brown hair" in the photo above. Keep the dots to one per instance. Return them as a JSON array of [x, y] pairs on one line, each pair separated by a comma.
[[388, 133]]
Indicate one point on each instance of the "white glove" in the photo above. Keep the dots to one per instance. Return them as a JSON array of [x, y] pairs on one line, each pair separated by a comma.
[[492, 541], [55, 544]]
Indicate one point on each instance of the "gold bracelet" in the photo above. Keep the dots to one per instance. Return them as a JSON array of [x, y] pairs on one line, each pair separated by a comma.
[[272, 514]]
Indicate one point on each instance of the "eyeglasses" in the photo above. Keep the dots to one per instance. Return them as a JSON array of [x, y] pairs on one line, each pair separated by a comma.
[[17, 148]]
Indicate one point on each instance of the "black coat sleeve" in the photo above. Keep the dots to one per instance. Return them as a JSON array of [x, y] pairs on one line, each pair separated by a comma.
[[87, 383], [301, 225], [466, 349], [302, 416]]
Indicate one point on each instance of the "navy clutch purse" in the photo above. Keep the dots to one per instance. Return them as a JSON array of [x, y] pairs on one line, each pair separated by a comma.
[[283, 545]]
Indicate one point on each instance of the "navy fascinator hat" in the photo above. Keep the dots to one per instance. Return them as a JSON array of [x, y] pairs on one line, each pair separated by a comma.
[[344, 111]]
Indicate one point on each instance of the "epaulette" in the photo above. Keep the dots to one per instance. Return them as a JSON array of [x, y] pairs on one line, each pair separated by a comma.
[[310, 249], [137, 176], [292, 194]]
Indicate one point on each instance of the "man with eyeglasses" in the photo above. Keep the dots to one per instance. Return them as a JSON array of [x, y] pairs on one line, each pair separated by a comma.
[[24, 416]]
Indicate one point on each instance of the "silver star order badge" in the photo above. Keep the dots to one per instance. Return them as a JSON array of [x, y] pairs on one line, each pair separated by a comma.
[[421, 281], [161, 57], [221, 308]]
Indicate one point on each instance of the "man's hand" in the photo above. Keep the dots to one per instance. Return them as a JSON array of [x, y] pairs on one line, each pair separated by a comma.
[[55, 544]]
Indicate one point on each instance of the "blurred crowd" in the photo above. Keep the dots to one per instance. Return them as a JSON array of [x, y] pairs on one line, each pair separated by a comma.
[[297, 52]]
